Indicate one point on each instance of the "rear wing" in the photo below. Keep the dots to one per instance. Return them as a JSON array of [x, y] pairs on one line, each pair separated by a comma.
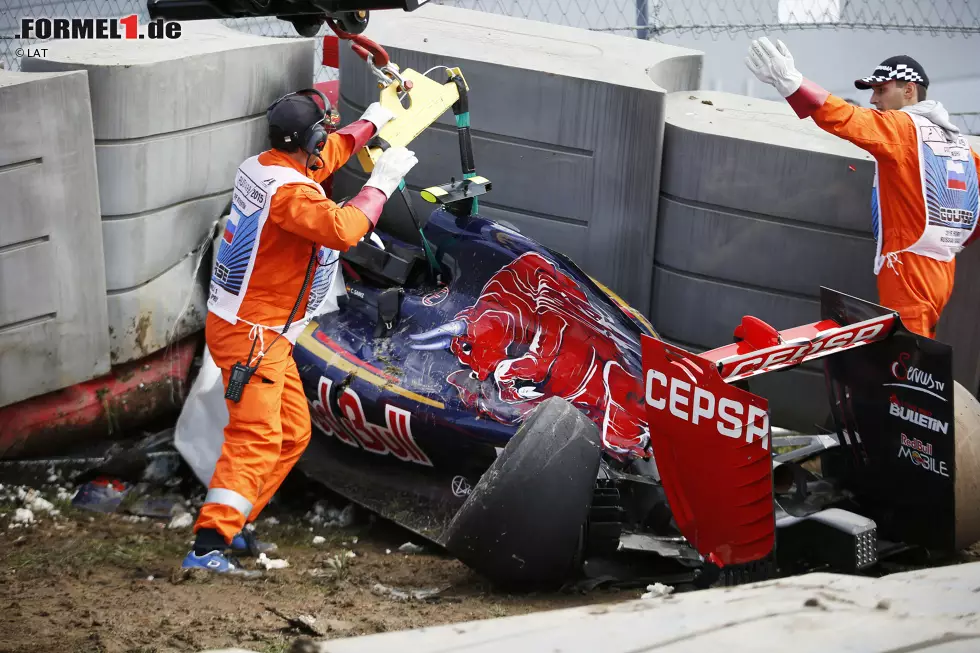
[[711, 439]]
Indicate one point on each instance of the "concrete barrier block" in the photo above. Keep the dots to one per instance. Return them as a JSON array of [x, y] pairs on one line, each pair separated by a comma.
[[147, 175], [211, 74], [798, 258], [144, 246], [757, 156], [704, 312], [758, 209], [147, 318], [172, 121], [53, 322], [566, 123]]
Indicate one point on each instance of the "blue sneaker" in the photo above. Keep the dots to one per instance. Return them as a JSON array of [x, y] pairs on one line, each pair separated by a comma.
[[217, 562], [246, 542]]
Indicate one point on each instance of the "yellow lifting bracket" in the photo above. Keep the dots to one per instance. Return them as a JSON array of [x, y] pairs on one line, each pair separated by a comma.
[[427, 100]]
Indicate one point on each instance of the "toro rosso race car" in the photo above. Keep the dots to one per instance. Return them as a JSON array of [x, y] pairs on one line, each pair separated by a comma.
[[523, 417], [483, 391]]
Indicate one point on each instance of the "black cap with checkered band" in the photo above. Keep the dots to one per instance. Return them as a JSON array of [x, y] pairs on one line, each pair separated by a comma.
[[901, 68]]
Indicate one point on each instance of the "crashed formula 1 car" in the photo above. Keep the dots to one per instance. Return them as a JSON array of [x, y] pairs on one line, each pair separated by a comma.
[[529, 421], [480, 389]]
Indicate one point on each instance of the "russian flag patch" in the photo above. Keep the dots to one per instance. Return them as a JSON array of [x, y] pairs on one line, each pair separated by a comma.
[[230, 226], [955, 175]]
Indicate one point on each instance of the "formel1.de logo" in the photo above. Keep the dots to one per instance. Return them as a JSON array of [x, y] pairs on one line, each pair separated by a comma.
[[45, 29]]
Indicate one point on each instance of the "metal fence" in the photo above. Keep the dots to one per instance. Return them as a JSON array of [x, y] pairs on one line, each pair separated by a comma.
[[645, 19]]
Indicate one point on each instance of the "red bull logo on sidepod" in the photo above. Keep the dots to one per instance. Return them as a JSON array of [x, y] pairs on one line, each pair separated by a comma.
[[533, 334]]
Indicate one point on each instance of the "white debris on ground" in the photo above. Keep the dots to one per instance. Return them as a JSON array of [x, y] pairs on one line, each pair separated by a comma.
[[269, 563], [307, 619], [409, 547], [270, 521], [319, 539], [32, 505], [403, 595], [23, 516], [657, 590], [183, 520], [37, 503]]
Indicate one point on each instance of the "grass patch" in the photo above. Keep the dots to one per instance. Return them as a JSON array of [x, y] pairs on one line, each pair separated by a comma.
[[280, 645], [300, 536], [89, 550]]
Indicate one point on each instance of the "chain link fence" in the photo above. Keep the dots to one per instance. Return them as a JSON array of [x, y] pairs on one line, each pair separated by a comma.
[[651, 18], [644, 19]]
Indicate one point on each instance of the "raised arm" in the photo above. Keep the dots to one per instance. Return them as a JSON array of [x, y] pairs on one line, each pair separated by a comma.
[[876, 132]]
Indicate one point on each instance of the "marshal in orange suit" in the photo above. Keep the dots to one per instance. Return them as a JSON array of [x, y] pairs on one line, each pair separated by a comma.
[[274, 267], [925, 198]]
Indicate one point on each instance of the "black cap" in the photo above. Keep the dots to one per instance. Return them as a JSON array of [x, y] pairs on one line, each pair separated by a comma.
[[902, 68], [289, 118]]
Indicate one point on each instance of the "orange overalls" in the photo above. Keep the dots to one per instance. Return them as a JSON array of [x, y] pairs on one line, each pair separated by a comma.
[[915, 242], [260, 269]]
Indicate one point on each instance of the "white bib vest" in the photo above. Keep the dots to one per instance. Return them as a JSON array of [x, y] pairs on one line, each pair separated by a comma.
[[255, 185], [949, 187]]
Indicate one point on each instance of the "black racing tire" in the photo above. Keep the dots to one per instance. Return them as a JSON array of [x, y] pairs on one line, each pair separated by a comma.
[[521, 525], [967, 475]]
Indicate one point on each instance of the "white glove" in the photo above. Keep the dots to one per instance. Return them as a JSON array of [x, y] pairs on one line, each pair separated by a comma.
[[377, 114], [774, 66], [390, 169]]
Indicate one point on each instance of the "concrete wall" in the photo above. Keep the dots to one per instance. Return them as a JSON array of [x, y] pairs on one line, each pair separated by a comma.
[[566, 123], [53, 323], [757, 210], [172, 122]]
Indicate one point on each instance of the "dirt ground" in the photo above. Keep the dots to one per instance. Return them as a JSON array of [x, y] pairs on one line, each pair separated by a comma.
[[82, 581], [106, 583]]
